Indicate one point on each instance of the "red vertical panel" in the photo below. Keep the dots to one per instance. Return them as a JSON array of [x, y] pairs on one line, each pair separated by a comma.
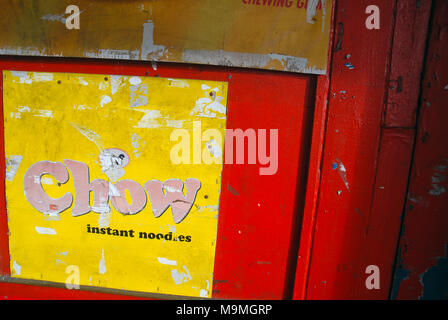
[[422, 266], [411, 30], [314, 176], [312, 193], [259, 213], [368, 147], [4, 249], [382, 225], [358, 81]]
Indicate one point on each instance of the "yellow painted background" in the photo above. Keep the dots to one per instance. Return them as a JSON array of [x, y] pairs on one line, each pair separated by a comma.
[[44, 130]]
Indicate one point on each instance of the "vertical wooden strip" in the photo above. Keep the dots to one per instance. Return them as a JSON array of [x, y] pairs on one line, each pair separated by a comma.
[[4, 249], [422, 264], [353, 136], [411, 29]]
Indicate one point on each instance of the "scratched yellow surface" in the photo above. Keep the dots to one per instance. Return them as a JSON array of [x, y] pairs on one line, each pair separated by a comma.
[[43, 114], [281, 35]]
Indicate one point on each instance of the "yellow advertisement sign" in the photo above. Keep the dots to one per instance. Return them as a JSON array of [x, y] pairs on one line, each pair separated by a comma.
[[94, 197], [286, 35]]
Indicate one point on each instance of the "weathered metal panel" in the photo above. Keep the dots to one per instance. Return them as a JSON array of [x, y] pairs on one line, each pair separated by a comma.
[[287, 35]]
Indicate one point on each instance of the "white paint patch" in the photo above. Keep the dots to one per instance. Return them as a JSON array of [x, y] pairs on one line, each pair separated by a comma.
[[178, 83], [23, 51], [343, 173], [210, 208], [42, 76], [116, 82], [60, 262], [135, 80], [248, 60], [437, 179], [324, 13], [206, 107], [23, 76], [114, 54], [104, 218], [167, 261], [83, 82], [81, 107], [149, 120], [311, 11], [12, 165], [204, 292], [150, 51], [175, 123], [172, 228], [105, 100], [54, 17], [137, 144], [205, 87], [42, 230], [103, 209], [89, 134], [114, 174], [113, 191], [180, 277], [52, 216], [46, 180], [102, 266], [214, 148], [23, 109], [43, 113], [154, 65], [17, 268], [171, 189]]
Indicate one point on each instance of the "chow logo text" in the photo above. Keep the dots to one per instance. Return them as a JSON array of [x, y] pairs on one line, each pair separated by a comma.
[[161, 194]]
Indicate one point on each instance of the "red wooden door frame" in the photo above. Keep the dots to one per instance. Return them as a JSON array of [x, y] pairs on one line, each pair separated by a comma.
[[421, 271], [361, 150]]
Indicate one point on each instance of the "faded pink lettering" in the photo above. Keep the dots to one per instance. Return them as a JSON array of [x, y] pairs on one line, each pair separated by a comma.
[[36, 195], [174, 196], [137, 193], [83, 187]]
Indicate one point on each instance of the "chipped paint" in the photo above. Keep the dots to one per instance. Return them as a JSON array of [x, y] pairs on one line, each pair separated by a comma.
[[102, 266], [181, 277], [150, 51], [89, 134], [342, 173], [12, 165], [435, 280], [437, 179], [167, 261], [249, 60], [42, 230], [17, 268], [214, 148]]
